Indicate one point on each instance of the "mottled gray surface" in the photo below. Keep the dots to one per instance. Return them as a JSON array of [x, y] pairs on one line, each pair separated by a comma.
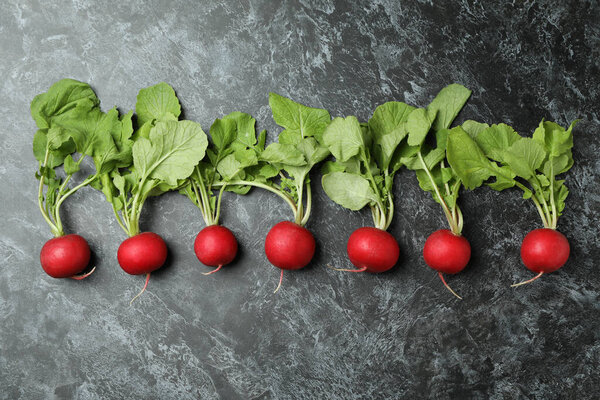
[[325, 334]]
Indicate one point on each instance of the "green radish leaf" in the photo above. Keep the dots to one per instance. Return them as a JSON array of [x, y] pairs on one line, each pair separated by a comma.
[[157, 102], [117, 153], [344, 138], [70, 120], [447, 104], [223, 132], [418, 125], [332, 166], [312, 151], [246, 157], [441, 138], [262, 138], [432, 158], [70, 166], [299, 173], [561, 193], [404, 155], [389, 143], [171, 152], [230, 168], [467, 160], [61, 100], [557, 165], [524, 156], [287, 154], [57, 136], [57, 156], [263, 172], [555, 139], [238, 189], [348, 190], [496, 139], [474, 128], [505, 178], [298, 120], [245, 128], [388, 118]]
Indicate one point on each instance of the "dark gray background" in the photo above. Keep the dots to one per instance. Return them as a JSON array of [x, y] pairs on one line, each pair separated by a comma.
[[325, 334]]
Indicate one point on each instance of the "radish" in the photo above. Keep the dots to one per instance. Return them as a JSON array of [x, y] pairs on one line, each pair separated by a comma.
[[529, 163], [446, 253], [165, 151], [289, 246], [372, 250], [142, 254], [544, 250], [232, 155], [66, 257], [215, 246], [361, 175], [71, 129]]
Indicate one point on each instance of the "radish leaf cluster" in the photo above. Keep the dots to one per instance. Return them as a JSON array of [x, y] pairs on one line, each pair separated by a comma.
[[164, 151], [530, 163], [71, 129]]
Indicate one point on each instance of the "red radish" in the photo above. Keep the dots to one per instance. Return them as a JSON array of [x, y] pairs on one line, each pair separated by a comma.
[[65, 257], [372, 250], [215, 246], [446, 253], [142, 254], [544, 250], [289, 246]]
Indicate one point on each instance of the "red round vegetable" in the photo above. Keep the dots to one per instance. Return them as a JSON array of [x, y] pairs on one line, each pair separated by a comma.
[[372, 250], [142, 253], [215, 246], [544, 250], [289, 245], [65, 256], [446, 253]]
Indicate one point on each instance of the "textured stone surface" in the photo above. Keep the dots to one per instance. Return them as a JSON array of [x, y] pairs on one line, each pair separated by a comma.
[[325, 334]]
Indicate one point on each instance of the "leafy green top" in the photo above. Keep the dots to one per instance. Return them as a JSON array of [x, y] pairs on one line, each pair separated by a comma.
[[369, 155], [70, 123], [290, 159], [428, 160], [165, 151], [531, 164], [232, 156]]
